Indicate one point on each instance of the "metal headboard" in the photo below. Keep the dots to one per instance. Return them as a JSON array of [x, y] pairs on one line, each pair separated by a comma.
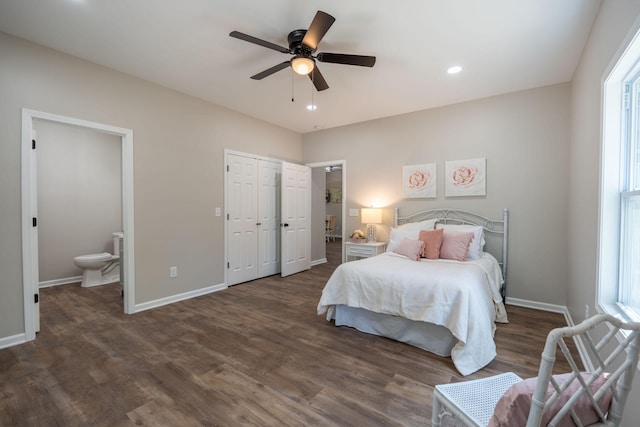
[[499, 228]]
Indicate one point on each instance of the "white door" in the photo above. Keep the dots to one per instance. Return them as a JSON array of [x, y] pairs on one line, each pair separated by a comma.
[[296, 218], [269, 218], [242, 237], [33, 234]]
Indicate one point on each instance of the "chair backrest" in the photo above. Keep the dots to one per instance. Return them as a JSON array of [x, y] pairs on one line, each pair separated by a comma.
[[612, 361]]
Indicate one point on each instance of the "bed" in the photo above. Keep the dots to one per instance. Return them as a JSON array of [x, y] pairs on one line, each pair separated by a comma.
[[446, 306]]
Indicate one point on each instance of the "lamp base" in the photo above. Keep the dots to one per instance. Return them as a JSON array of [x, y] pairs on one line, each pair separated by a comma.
[[371, 233]]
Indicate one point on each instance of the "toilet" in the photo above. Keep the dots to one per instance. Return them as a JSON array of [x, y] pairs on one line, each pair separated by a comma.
[[103, 268]]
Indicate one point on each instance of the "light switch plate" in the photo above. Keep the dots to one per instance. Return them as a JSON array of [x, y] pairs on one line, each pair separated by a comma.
[[353, 211]]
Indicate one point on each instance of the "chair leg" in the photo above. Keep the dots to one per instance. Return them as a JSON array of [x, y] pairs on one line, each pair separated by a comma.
[[435, 415]]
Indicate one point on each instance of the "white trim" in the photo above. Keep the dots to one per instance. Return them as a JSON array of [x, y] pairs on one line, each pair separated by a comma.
[[58, 282], [12, 340], [342, 163], [29, 210], [29, 239], [318, 262], [542, 306], [179, 297]]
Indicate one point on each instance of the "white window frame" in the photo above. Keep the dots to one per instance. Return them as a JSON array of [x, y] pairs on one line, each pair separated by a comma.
[[626, 65]]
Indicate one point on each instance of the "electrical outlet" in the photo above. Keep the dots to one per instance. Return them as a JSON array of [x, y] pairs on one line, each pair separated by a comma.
[[173, 271], [586, 311], [218, 212]]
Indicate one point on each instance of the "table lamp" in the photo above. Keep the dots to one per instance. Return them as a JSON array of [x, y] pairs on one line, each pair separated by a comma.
[[371, 217]]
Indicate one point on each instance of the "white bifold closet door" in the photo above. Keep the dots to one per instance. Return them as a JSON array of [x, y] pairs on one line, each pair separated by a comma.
[[253, 234], [259, 241]]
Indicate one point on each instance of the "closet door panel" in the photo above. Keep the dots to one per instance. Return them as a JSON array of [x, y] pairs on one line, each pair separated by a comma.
[[242, 181], [269, 218]]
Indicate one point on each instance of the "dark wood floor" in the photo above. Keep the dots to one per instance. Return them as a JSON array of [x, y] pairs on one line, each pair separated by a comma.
[[255, 354]]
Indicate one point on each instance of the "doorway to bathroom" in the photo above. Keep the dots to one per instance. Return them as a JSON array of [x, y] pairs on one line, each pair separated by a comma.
[[102, 143]]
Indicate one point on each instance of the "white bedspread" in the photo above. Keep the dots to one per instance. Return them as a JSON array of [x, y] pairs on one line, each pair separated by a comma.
[[462, 296]]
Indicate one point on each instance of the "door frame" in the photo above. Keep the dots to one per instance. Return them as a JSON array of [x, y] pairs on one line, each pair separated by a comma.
[[343, 164], [30, 277]]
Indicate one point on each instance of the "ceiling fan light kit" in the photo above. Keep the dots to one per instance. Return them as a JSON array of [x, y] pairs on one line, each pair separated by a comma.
[[303, 44], [302, 65]]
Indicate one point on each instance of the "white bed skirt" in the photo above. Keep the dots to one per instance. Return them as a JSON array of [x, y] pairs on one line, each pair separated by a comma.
[[427, 336]]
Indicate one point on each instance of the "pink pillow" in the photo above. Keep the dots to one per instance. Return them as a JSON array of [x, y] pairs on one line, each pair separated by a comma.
[[455, 245], [512, 410], [432, 241], [410, 248]]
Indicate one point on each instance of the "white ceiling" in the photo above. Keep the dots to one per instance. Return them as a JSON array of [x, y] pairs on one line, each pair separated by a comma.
[[502, 45]]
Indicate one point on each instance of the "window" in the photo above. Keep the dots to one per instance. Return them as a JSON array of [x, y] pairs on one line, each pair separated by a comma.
[[629, 279], [619, 233]]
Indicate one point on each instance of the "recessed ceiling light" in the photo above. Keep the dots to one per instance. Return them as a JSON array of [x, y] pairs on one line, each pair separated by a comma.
[[311, 107], [454, 70]]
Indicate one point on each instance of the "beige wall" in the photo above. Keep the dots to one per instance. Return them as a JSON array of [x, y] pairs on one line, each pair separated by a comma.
[[179, 144], [613, 24], [524, 137], [79, 196]]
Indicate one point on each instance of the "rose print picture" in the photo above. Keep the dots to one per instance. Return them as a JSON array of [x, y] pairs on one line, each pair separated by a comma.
[[465, 178], [419, 181]]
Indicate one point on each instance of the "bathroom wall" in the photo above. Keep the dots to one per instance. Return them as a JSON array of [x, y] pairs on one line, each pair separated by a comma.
[[79, 196]]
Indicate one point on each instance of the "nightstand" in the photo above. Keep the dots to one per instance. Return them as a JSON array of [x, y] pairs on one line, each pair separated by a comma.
[[363, 250]]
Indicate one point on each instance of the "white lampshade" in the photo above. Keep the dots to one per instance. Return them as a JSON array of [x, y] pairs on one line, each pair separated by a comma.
[[371, 215], [302, 65]]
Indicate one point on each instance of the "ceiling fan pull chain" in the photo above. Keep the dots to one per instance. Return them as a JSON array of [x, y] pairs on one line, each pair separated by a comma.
[[292, 100]]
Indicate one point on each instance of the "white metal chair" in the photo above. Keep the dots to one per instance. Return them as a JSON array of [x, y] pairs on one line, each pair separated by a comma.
[[330, 227], [612, 362]]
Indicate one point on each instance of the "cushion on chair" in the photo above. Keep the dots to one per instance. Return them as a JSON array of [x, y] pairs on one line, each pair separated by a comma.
[[512, 409]]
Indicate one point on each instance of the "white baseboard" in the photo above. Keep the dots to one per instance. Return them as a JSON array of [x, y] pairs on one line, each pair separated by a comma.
[[179, 297], [318, 262], [57, 282], [12, 340], [543, 306]]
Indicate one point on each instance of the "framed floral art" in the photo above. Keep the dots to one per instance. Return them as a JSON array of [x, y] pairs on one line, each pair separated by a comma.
[[419, 180], [465, 178]]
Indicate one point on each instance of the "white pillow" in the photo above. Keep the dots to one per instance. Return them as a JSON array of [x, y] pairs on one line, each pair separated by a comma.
[[476, 247], [408, 231], [427, 224]]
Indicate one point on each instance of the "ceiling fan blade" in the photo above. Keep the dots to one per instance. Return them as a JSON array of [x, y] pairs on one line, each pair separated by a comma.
[[255, 40], [269, 71], [341, 58], [318, 28], [318, 81]]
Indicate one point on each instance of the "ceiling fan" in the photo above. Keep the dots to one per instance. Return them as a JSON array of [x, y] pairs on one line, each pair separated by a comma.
[[303, 45]]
